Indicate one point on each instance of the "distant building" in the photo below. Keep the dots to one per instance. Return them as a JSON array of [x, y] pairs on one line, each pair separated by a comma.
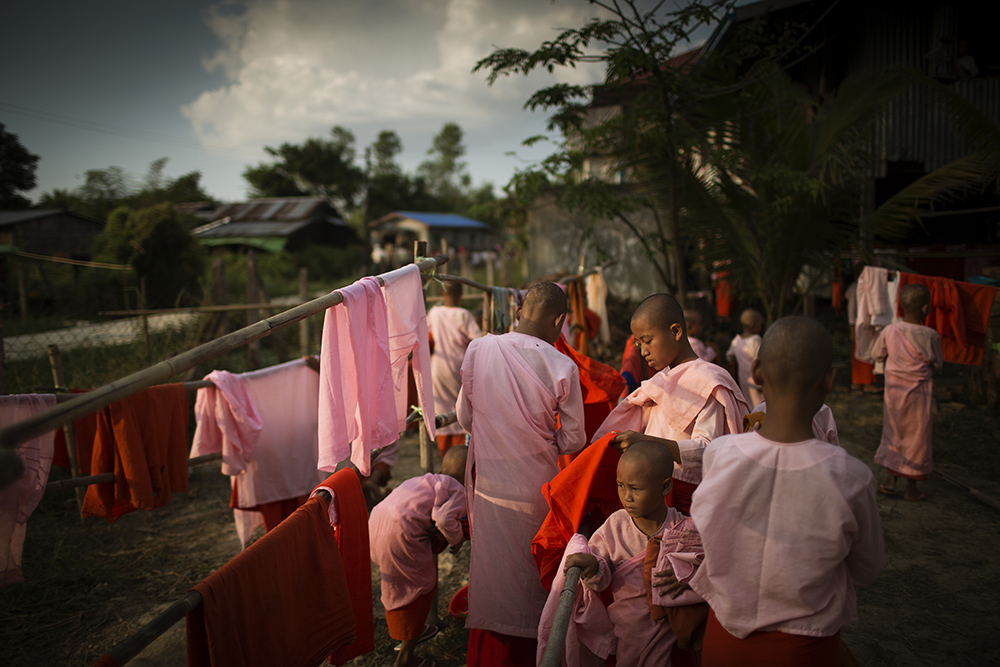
[[275, 224], [49, 232], [402, 228]]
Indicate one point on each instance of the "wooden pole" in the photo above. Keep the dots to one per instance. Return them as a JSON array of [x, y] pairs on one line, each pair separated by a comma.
[[22, 292], [560, 623], [488, 311], [104, 477], [489, 267], [85, 404], [253, 349], [145, 321], [304, 296], [3, 363], [55, 361]]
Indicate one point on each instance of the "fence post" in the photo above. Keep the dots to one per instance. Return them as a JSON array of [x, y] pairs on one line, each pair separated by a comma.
[[3, 363], [490, 255], [22, 292], [55, 361], [303, 297], [145, 321], [253, 349]]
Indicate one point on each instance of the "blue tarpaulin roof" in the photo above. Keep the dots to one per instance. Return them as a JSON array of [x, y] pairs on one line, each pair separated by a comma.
[[436, 220]]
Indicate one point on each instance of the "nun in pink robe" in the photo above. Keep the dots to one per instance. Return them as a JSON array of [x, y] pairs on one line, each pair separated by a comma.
[[521, 402], [911, 352]]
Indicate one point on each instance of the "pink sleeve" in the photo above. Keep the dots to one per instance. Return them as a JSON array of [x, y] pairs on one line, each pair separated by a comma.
[[710, 424], [449, 508], [878, 350], [463, 406], [571, 436], [867, 556], [627, 416]]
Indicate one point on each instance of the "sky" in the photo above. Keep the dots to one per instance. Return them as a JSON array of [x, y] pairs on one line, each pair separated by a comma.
[[88, 84]]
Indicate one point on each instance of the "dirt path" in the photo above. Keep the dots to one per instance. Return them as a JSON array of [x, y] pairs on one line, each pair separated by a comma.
[[90, 585]]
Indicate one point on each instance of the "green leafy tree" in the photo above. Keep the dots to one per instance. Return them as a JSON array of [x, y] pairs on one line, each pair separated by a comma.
[[156, 243], [315, 167], [444, 172], [17, 171]]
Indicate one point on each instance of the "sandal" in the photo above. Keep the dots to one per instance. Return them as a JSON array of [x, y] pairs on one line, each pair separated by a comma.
[[430, 631], [888, 492]]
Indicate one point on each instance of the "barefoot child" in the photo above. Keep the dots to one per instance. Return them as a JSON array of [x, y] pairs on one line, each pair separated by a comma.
[[685, 405], [404, 527], [695, 329], [618, 552], [910, 351], [451, 329], [789, 524], [743, 350]]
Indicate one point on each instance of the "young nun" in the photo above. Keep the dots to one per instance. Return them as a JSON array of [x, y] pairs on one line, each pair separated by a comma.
[[685, 405], [618, 552], [403, 528], [451, 329], [743, 350], [522, 405], [789, 523]]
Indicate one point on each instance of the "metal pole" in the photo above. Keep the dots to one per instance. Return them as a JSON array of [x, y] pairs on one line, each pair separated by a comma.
[[557, 636]]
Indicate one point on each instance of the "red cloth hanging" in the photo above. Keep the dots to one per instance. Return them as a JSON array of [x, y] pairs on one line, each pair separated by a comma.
[[723, 295], [960, 313]]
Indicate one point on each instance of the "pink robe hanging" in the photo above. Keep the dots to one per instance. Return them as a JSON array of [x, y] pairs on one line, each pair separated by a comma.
[[743, 351], [514, 388], [452, 330], [20, 498], [357, 402], [789, 530], [911, 352], [398, 528], [692, 403]]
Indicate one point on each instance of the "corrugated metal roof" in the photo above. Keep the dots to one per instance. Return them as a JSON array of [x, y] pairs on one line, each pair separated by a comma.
[[14, 217], [251, 229], [272, 208], [449, 220]]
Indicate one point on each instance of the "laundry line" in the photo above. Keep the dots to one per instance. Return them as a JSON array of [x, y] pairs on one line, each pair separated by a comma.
[[82, 405]]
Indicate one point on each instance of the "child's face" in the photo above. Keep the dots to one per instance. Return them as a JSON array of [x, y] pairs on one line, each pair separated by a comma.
[[640, 492], [694, 329], [657, 346]]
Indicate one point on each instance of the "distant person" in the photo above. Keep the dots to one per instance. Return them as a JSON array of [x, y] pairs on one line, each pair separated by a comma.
[[789, 523], [695, 331], [911, 351], [451, 329], [414, 522], [742, 352]]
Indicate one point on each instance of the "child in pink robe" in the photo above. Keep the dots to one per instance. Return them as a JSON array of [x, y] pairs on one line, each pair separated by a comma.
[[743, 350], [789, 523], [910, 351], [695, 330], [618, 553], [685, 405], [522, 404], [402, 530], [451, 328]]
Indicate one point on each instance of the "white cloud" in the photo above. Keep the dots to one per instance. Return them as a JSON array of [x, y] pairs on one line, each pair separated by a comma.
[[294, 68]]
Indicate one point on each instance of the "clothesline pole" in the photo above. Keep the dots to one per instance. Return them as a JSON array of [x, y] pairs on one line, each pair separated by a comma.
[[560, 624], [80, 482], [161, 372], [68, 433]]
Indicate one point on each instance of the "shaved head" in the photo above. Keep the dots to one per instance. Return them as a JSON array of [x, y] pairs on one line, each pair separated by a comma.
[[452, 288], [660, 311], [692, 317], [544, 300], [912, 299], [796, 354], [453, 463], [652, 457], [751, 318]]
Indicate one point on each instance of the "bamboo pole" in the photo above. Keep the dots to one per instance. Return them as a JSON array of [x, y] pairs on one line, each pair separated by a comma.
[[444, 277], [104, 477], [557, 636], [145, 321], [161, 372], [69, 434], [253, 348]]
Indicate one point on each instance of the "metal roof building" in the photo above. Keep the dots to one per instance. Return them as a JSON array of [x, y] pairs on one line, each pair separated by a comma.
[[402, 228]]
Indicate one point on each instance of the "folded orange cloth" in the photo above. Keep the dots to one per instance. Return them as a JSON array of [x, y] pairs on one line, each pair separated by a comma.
[[282, 601], [143, 440]]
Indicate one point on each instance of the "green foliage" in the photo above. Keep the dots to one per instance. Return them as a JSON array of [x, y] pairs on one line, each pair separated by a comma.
[[17, 171], [156, 243]]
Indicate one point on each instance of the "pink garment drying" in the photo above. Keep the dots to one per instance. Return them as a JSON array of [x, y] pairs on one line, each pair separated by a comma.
[[514, 387], [589, 624], [357, 402], [452, 329], [620, 549], [397, 530], [692, 403], [227, 421], [407, 327], [911, 352], [743, 350], [789, 530], [823, 424], [20, 498]]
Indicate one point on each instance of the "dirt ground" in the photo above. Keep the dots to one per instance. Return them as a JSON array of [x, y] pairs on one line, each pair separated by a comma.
[[89, 585]]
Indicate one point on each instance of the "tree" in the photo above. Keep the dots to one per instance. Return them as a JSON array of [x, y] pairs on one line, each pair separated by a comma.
[[160, 248], [445, 173], [316, 167], [17, 171]]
